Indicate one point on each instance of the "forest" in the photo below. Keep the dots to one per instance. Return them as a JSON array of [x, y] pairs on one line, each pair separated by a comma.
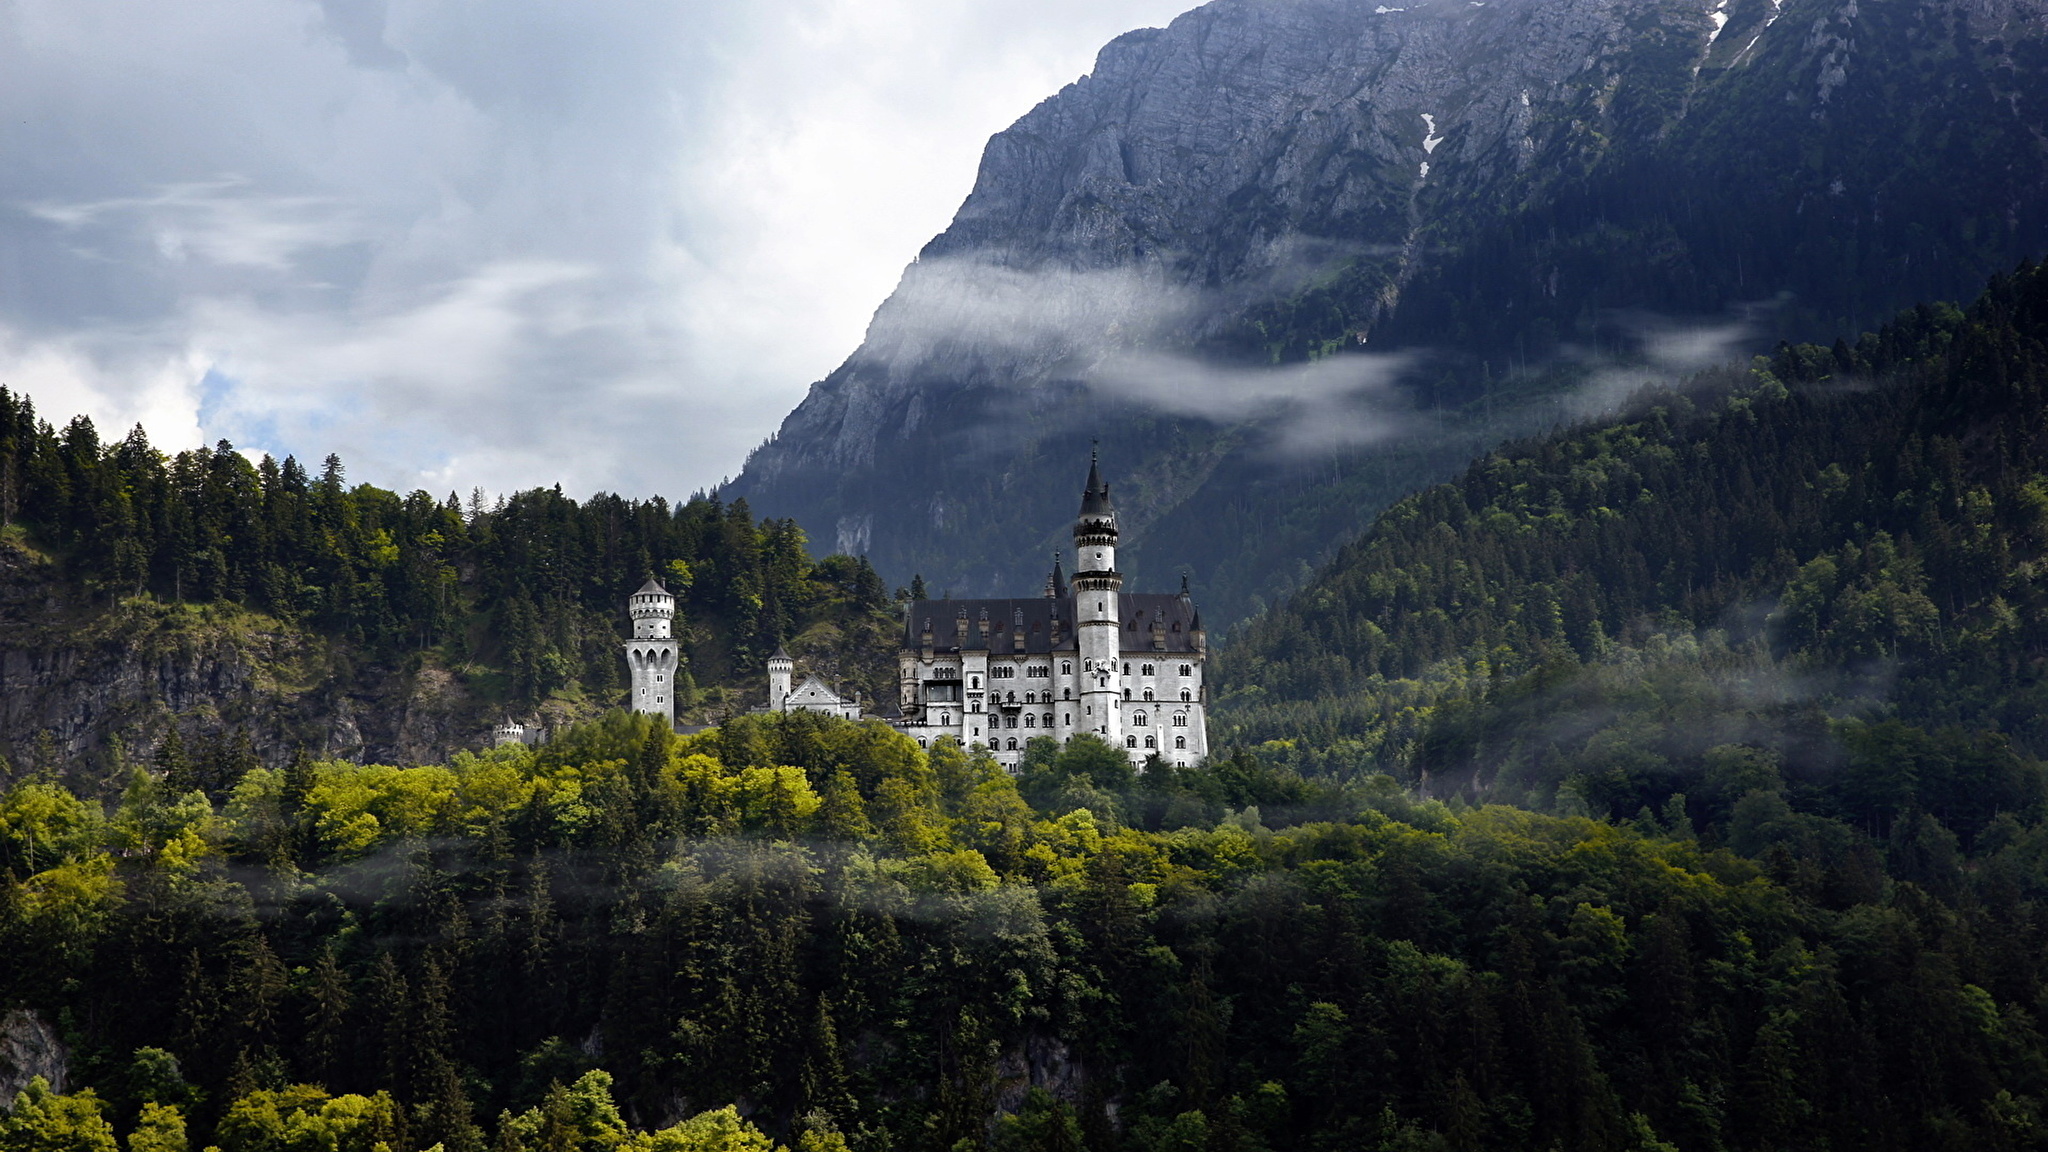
[[521, 595], [1824, 569], [809, 933], [1665, 785]]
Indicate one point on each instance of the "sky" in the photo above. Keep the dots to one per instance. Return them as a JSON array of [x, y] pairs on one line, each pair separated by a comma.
[[487, 243]]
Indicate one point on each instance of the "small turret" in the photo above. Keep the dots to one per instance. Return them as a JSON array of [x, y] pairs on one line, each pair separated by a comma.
[[780, 671], [653, 611], [652, 655]]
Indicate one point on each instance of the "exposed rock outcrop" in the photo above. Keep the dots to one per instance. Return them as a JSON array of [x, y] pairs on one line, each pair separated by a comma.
[[75, 675], [29, 1048]]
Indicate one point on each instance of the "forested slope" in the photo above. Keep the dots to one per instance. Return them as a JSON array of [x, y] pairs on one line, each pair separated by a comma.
[[1828, 565], [851, 942], [297, 606]]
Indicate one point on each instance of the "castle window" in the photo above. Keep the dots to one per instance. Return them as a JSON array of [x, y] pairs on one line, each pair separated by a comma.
[[1048, 719], [661, 699], [660, 679], [1130, 741], [1127, 693], [1180, 720], [1031, 721], [1144, 669], [1013, 744], [1066, 667], [1148, 693], [1038, 671], [1066, 693], [1139, 720], [1127, 669], [1151, 741], [1066, 717], [921, 743], [975, 682], [1002, 672], [1009, 721], [1187, 670], [643, 691], [1180, 742]]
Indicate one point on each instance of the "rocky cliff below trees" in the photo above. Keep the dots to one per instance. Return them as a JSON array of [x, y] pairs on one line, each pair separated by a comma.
[[1289, 260], [84, 684]]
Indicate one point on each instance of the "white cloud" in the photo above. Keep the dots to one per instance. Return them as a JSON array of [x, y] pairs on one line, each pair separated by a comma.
[[499, 243]]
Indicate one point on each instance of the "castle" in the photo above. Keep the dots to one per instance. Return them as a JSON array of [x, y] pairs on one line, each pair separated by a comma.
[[1082, 657]]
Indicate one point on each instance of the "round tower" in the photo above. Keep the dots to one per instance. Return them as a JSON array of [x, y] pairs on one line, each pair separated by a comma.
[[780, 670], [651, 655], [1096, 629]]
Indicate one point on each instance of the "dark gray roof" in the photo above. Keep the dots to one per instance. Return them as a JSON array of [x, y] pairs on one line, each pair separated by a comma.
[[651, 586], [1095, 498], [1175, 615]]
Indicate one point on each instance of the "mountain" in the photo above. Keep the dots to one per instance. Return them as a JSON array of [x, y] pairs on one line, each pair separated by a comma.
[[1289, 261], [1826, 571]]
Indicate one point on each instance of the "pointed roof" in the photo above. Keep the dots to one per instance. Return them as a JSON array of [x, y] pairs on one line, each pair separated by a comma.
[[1095, 499], [781, 653], [653, 586]]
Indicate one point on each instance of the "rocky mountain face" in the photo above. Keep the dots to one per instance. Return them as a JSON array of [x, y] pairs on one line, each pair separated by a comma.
[[76, 677], [1288, 259]]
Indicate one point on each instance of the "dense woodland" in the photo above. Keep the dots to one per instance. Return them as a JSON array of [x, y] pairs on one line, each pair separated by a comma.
[[1824, 570], [1759, 665], [811, 932], [524, 593]]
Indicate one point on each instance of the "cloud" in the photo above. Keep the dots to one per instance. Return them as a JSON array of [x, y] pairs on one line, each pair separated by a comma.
[[501, 244], [1325, 406]]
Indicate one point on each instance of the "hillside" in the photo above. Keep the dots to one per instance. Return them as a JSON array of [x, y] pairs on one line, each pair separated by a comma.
[[811, 933], [272, 609], [1826, 567], [1289, 262]]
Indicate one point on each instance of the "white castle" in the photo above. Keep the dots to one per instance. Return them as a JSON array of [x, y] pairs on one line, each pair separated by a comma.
[[1081, 657], [651, 655]]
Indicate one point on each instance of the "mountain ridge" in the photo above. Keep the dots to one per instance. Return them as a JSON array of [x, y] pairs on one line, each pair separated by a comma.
[[1245, 189]]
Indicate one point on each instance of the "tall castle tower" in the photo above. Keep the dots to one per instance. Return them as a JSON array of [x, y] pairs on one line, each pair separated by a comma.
[[1096, 584], [780, 671], [651, 654]]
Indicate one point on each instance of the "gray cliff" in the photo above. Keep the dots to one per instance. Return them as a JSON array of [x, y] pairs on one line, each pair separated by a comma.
[[1287, 259]]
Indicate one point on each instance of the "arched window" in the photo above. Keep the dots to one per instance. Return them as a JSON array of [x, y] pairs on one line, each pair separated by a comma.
[[1127, 669], [1187, 670], [921, 742], [1066, 667], [1009, 721], [1139, 720], [1048, 719], [1151, 741], [976, 682], [1180, 720], [1144, 669], [1130, 741], [1066, 717], [1066, 693], [1013, 697], [1127, 693], [1186, 696], [1148, 693], [1031, 721], [1180, 742], [1013, 745]]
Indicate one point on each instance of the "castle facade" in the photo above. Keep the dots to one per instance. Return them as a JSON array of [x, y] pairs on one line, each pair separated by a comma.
[[1084, 656]]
